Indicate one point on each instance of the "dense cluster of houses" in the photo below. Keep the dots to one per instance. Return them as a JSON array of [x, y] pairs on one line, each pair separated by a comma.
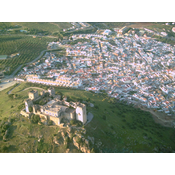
[[134, 68]]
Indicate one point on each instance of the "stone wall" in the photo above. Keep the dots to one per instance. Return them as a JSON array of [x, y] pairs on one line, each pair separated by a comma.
[[69, 115], [56, 121], [43, 117], [26, 114]]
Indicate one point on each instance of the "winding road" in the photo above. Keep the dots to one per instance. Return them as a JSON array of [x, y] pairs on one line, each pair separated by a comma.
[[8, 81], [6, 78], [33, 87]]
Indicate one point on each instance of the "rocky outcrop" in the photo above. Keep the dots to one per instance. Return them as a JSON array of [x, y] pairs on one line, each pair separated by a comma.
[[77, 137], [40, 137], [83, 145], [56, 141]]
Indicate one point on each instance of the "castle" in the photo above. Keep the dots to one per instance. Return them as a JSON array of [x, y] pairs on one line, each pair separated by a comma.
[[55, 109]]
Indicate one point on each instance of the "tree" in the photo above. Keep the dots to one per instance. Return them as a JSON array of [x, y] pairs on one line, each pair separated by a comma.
[[50, 122], [35, 118], [30, 109], [11, 96], [104, 117], [72, 122]]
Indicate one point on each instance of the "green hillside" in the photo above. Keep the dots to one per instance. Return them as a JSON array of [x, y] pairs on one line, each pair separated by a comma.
[[46, 26], [119, 127], [104, 25], [50, 27]]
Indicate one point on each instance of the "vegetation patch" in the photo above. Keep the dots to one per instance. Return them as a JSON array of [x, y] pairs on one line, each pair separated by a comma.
[[118, 126]]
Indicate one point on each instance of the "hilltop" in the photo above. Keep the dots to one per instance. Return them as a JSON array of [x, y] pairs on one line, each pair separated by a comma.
[[115, 127], [120, 71]]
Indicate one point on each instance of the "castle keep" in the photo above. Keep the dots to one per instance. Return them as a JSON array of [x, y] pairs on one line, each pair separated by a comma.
[[55, 109]]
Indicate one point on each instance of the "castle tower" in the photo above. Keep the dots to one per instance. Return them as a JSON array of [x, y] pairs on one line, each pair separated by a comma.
[[28, 103], [81, 113], [33, 94], [42, 93], [35, 108], [51, 91]]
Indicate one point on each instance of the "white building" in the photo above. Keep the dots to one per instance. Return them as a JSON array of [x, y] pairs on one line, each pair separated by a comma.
[[81, 113]]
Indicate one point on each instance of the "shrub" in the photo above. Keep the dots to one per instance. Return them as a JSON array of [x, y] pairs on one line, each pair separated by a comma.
[[112, 127], [30, 109], [35, 119], [11, 96], [96, 107], [50, 122], [21, 106], [104, 117], [41, 102], [72, 122]]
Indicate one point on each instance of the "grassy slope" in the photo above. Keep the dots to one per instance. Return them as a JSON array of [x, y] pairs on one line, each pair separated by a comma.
[[62, 25], [104, 25], [46, 26], [125, 127], [23, 134], [121, 128]]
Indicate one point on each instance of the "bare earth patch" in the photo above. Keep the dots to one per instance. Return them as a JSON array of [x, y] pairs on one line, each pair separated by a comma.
[[159, 118]]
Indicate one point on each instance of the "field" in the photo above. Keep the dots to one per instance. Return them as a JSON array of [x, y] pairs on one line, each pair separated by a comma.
[[160, 26], [27, 47], [120, 128], [104, 25], [49, 27]]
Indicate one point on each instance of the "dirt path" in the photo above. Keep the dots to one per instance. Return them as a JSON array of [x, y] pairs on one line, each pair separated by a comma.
[[9, 92], [33, 87], [159, 118], [5, 85]]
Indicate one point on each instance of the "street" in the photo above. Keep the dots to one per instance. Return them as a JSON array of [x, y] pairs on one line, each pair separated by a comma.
[[6, 84]]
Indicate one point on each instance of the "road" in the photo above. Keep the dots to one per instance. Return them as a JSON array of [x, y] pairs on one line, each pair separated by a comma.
[[25, 89], [5, 85], [8, 81], [8, 77], [71, 64], [9, 92], [160, 118], [35, 88]]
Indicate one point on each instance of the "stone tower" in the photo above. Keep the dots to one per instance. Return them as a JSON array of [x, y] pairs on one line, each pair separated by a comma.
[[35, 108], [51, 91], [81, 113], [28, 103], [33, 95], [42, 93]]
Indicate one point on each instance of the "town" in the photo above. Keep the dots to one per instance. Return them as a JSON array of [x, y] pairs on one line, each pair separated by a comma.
[[128, 64]]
